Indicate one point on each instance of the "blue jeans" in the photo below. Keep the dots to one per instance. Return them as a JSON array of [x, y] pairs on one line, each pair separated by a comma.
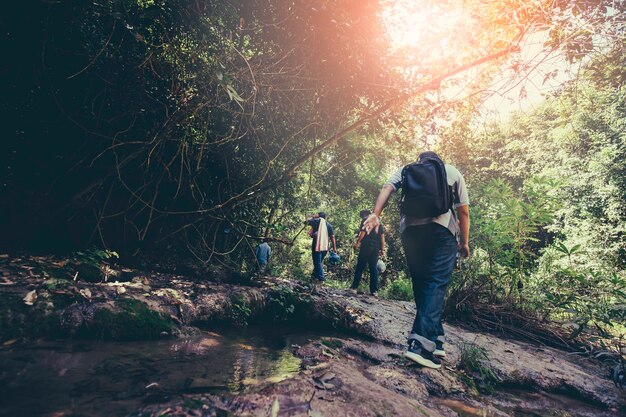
[[368, 255], [318, 270], [430, 251]]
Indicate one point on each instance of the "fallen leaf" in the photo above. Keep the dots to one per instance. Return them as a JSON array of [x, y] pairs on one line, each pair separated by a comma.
[[9, 342], [30, 298], [120, 290], [85, 293]]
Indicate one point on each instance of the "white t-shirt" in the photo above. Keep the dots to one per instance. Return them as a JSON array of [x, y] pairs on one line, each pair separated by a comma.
[[456, 181]]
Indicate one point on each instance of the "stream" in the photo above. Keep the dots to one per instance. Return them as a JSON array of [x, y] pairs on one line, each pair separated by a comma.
[[96, 378]]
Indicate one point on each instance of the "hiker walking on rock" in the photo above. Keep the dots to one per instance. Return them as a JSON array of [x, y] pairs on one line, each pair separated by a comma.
[[323, 236], [431, 193], [372, 245]]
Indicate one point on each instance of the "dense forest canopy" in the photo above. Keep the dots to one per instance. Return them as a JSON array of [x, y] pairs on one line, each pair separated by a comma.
[[196, 128]]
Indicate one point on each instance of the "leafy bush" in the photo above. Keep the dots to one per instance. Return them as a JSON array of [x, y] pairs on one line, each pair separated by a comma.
[[400, 289], [578, 296], [93, 257]]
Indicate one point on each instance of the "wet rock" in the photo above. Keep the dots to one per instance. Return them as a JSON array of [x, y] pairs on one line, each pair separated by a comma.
[[119, 320]]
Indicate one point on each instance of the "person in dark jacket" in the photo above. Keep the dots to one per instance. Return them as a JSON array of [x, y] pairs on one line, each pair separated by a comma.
[[372, 246]]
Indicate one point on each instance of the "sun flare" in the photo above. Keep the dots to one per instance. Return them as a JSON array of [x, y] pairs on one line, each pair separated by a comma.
[[424, 27]]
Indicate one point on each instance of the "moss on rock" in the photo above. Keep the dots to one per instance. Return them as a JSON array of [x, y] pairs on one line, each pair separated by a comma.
[[20, 320], [128, 320]]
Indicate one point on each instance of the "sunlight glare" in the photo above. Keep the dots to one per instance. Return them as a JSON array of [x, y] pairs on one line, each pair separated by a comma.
[[423, 28]]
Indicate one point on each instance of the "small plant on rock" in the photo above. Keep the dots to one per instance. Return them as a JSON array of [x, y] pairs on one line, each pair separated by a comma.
[[474, 361], [240, 311]]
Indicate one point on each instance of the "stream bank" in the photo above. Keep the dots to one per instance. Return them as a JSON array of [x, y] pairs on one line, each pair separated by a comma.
[[358, 372]]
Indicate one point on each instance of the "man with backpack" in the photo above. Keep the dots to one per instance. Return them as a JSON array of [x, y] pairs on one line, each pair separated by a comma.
[[372, 246], [431, 193]]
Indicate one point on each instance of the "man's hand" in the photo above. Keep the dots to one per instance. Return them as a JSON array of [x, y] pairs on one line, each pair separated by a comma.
[[464, 250], [371, 223], [356, 245], [381, 253]]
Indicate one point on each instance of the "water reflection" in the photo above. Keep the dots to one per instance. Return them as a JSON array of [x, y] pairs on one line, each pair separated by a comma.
[[114, 379], [195, 346]]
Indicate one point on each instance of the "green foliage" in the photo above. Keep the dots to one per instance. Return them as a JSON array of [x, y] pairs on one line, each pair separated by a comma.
[[399, 289], [507, 225], [577, 296], [183, 136], [282, 303], [548, 192], [239, 310], [93, 257]]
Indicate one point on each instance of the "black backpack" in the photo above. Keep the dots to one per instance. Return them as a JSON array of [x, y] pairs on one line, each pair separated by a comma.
[[425, 189]]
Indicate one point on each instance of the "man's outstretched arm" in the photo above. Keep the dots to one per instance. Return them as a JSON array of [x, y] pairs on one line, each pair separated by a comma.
[[359, 239], [373, 220]]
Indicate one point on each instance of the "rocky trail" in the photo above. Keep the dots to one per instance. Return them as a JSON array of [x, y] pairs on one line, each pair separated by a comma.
[[358, 370]]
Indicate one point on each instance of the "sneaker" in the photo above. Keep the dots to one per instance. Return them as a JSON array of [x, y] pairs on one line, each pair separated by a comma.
[[439, 350], [418, 354], [352, 291], [374, 294]]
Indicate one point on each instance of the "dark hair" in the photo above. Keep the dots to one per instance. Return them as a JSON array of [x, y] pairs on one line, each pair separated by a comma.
[[322, 214], [427, 154], [265, 240], [364, 212]]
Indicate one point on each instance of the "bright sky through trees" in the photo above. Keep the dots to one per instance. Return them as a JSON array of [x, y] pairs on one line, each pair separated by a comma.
[[417, 32]]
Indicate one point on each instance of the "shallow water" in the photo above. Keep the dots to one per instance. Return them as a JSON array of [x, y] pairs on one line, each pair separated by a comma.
[[95, 378]]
